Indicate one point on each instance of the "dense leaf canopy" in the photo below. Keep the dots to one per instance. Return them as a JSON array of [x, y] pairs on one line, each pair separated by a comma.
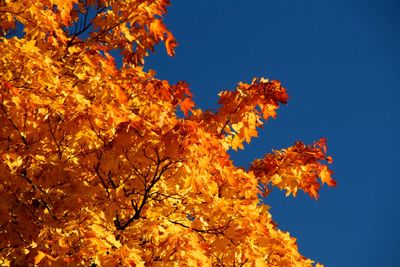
[[97, 168]]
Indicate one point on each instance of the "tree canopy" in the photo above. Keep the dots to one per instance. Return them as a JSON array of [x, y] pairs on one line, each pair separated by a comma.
[[98, 169]]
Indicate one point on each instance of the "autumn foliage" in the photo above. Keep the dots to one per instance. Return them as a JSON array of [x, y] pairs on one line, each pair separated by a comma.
[[97, 169]]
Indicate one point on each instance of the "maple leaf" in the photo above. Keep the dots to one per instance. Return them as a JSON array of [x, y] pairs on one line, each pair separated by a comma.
[[186, 105], [297, 167], [170, 45]]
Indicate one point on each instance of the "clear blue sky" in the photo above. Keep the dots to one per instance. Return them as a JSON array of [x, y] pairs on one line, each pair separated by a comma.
[[340, 61]]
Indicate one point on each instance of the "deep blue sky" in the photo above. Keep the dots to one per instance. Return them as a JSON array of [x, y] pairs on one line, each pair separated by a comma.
[[340, 61]]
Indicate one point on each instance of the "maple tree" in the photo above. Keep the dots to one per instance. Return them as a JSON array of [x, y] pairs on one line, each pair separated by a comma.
[[97, 168]]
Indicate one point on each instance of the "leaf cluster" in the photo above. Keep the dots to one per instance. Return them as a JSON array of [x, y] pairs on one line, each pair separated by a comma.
[[96, 167]]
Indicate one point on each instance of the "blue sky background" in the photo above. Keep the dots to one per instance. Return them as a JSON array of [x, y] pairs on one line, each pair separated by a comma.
[[340, 61]]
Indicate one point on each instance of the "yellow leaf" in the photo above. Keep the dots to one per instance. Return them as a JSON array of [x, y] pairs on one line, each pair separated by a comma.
[[127, 33], [30, 47], [237, 142], [40, 158], [203, 162], [39, 257], [74, 49]]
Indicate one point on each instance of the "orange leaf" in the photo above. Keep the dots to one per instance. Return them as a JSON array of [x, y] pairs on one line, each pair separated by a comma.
[[158, 28], [121, 96], [325, 175], [186, 106], [170, 45]]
